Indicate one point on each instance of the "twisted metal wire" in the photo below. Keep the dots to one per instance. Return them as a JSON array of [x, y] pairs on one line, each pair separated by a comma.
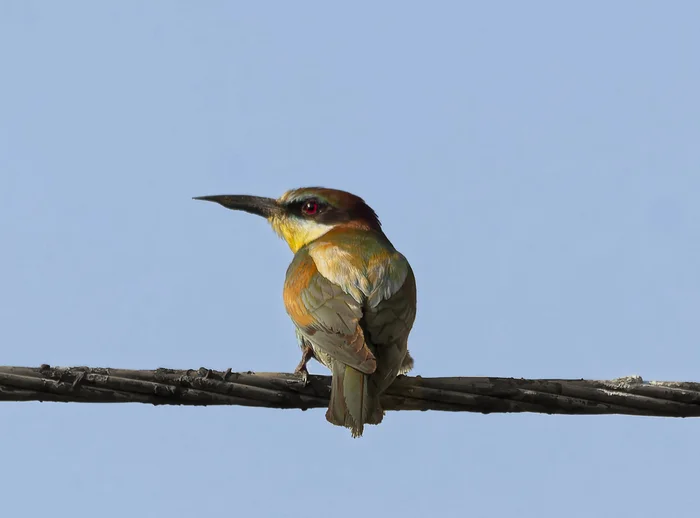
[[629, 395]]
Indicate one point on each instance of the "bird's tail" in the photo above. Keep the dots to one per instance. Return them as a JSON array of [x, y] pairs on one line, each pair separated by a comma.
[[353, 403]]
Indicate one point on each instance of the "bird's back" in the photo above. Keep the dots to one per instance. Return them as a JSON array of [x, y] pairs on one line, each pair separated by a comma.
[[374, 281]]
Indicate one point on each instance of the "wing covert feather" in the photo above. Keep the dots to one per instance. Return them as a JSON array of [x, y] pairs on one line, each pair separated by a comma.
[[326, 315]]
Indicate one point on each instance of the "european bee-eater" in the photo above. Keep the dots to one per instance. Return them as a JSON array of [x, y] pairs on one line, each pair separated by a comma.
[[350, 294]]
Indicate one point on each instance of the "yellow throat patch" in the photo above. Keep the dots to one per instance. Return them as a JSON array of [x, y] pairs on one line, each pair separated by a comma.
[[298, 232]]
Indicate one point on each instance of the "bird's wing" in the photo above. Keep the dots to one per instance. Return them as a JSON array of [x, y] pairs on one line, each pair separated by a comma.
[[391, 318], [326, 315], [388, 324]]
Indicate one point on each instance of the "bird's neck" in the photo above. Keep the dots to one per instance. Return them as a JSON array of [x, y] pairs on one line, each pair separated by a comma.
[[299, 233]]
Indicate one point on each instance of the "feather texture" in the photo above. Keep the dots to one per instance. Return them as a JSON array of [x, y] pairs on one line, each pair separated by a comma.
[[352, 296]]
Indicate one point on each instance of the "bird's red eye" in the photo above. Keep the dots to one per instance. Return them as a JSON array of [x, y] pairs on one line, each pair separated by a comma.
[[310, 207]]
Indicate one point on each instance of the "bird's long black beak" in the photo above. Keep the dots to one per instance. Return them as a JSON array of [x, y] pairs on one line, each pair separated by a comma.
[[265, 207]]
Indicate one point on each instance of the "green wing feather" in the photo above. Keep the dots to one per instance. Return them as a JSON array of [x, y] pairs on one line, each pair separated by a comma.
[[325, 315]]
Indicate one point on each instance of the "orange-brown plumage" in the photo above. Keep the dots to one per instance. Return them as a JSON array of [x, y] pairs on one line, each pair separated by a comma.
[[294, 285]]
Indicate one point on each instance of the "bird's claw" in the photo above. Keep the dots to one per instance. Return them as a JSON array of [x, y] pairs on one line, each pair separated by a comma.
[[306, 354], [303, 373], [78, 381]]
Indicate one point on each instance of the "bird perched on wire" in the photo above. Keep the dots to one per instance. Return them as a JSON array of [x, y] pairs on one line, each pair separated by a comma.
[[350, 294]]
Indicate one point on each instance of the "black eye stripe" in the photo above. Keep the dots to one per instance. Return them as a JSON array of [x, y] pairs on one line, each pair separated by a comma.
[[298, 207], [329, 214]]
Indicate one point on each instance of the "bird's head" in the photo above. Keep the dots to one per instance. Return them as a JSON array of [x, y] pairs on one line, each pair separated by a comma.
[[302, 215]]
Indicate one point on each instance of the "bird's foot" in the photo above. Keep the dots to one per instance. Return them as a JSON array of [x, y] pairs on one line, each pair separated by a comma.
[[307, 353], [302, 372]]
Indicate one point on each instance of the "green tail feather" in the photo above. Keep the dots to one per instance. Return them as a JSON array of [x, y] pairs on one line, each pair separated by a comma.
[[351, 404]]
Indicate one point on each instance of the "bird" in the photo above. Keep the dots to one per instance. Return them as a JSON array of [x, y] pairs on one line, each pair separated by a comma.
[[349, 293]]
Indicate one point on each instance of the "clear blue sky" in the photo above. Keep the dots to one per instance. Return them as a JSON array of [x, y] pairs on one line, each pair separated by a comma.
[[538, 163]]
